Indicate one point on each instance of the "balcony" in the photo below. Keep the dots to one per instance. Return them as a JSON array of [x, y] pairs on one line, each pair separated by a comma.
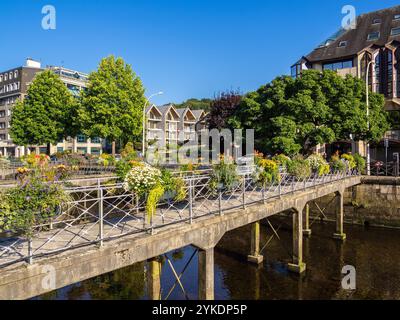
[[393, 135]]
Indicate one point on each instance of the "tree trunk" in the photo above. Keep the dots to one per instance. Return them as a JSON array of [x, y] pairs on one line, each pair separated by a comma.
[[48, 149], [113, 148]]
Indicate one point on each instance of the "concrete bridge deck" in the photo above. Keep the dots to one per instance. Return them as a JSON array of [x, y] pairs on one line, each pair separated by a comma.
[[73, 255]]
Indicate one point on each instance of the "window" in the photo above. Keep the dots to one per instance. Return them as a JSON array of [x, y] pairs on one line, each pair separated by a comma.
[[2, 125], [395, 31], [82, 150], [96, 151], [389, 73], [342, 44], [377, 21], [81, 138], [60, 149], [2, 137], [374, 36], [96, 140], [296, 70], [377, 73], [15, 73], [345, 64]]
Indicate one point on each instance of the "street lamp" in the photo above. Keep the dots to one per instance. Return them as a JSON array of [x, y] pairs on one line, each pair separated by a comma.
[[368, 123], [144, 122]]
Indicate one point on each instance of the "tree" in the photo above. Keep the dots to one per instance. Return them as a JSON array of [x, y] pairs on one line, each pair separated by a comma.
[[46, 115], [195, 104], [112, 106], [222, 108], [295, 115]]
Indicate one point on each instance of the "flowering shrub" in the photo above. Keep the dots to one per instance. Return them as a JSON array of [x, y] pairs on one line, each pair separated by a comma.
[[268, 171], [282, 160], [224, 176], [33, 201], [337, 164], [142, 178], [299, 168], [349, 159], [318, 164], [36, 160]]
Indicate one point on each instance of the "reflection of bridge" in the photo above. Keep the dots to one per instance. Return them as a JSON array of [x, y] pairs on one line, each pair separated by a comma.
[[104, 229]]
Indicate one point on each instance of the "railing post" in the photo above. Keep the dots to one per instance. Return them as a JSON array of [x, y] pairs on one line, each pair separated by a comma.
[[280, 189], [293, 185], [263, 192], [220, 202], [191, 200], [101, 216], [30, 251], [244, 193]]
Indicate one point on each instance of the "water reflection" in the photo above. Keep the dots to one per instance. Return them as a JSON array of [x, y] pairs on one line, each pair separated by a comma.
[[372, 251]]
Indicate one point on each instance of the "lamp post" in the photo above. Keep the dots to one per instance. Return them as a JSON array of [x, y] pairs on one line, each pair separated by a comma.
[[144, 122], [368, 123]]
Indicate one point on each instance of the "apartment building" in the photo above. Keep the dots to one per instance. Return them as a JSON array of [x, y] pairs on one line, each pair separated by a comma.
[[14, 85], [375, 43], [169, 126]]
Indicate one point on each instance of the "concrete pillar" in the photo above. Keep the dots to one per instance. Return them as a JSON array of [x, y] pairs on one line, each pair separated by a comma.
[[5, 152], [255, 256], [75, 145], [307, 229], [339, 234], [154, 279], [298, 266], [206, 274]]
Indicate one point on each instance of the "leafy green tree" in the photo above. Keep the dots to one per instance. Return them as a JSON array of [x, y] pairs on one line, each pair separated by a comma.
[[195, 104], [46, 115], [295, 115], [112, 106]]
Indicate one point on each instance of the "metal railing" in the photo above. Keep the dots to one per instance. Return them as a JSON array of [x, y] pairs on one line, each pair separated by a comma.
[[9, 171], [99, 214]]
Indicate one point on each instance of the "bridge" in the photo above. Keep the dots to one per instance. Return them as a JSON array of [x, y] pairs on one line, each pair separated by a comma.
[[105, 228]]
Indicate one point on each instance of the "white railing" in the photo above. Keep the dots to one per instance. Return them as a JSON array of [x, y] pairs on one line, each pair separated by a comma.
[[105, 212]]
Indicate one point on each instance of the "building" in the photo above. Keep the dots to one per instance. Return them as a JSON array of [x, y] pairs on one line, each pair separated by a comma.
[[76, 81], [376, 39], [14, 85], [169, 126]]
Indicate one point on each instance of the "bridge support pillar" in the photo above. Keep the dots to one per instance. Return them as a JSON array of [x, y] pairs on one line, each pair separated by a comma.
[[206, 274], [298, 266], [307, 229], [339, 234], [255, 256], [154, 279]]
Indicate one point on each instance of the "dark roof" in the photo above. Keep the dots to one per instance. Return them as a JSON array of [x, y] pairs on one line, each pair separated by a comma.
[[357, 39]]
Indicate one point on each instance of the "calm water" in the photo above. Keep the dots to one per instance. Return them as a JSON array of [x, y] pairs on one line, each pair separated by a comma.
[[374, 253]]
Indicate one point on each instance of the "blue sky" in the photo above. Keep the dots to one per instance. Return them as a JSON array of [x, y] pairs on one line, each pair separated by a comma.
[[186, 48]]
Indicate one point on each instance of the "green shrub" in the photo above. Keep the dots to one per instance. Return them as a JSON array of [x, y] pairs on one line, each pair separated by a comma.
[[282, 160], [337, 165], [299, 168], [350, 160], [224, 175], [318, 164], [361, 163]]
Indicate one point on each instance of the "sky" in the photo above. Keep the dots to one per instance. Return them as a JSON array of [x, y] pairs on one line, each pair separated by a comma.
[[185, 48]]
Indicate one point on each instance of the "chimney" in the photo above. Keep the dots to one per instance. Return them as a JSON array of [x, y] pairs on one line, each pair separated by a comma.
[[30, 63]]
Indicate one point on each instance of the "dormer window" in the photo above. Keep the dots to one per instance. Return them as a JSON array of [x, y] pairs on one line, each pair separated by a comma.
[[395, 31], [342, 44], [374, 36], [377, 21]]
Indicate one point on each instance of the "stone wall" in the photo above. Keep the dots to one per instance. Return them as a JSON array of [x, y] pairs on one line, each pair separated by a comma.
[[375, 202]]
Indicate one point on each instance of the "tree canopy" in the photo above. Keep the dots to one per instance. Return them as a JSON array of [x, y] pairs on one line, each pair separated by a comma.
[[195, 104], [222, 108], [294, 115], [112, 106], [46, 115]]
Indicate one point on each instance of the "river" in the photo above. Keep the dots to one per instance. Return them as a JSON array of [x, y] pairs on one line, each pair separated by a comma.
[[373, 252]]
